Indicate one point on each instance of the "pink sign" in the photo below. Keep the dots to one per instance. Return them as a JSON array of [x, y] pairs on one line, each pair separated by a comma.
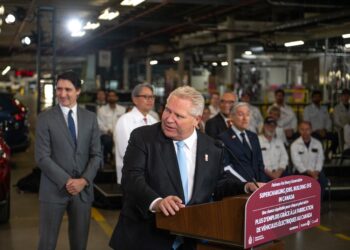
[[281, 207]]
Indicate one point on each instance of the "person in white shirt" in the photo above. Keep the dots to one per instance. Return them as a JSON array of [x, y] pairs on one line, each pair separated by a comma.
[[214, 106], [107, 117], [274, 153], [256, 119], [143, 99], [320, 120], [307, 155], [288, 120], [275, 113]]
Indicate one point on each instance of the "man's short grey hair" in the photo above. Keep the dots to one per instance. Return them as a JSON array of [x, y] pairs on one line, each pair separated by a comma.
[[191, 94], [238, 105], [138, 88]]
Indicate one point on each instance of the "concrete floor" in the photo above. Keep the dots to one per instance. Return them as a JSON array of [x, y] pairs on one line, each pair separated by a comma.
[[22, 230]]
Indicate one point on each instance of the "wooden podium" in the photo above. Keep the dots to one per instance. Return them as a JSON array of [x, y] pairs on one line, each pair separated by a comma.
[[220, 224]]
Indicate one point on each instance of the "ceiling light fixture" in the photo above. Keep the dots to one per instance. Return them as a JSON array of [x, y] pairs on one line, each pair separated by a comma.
[[10, 18], [26, 40], [7, 69], [153, 62], [346, 35], [294, 43], [224, 63], [248, 52], [131, 2], [347, 45], [108, 15], [74, 25], [214, 64], [91, 26], [2, 10], [176, 58]]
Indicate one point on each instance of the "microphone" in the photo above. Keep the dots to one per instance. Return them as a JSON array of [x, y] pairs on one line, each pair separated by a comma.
[[221, 144]]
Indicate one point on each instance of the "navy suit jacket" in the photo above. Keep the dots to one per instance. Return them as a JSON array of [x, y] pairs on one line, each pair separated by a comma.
[[253, 165], [215, 126], [151, 171]]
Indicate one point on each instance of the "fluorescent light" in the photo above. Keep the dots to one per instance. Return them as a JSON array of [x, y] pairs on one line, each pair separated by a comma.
[[176, 58], [78, 33], [248, 52], [257, 49], [2, 9], [26, 40], [131, 2], [294, 43], [224, 63], [346, 35], [214, 64], [7, 69], [91, 26], [108, 15], [347, 45], [74, 25], [10, 18], [153, 62]]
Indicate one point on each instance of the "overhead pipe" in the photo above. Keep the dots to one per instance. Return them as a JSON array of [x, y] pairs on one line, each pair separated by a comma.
[[304, 5], [184, 24]]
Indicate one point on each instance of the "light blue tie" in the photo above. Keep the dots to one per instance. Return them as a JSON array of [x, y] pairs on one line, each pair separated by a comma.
[[181, 160], [71, 127]]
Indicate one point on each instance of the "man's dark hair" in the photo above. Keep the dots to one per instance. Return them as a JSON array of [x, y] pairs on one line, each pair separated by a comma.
[[345, 92], [279, 91], [316, 92], [70, 76]]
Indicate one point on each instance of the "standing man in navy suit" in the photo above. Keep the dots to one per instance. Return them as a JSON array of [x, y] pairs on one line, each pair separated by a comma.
[[245, 145], [168, 166]]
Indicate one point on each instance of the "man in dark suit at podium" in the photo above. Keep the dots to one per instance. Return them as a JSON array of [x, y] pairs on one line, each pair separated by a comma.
[[245, 145], [168, 166]]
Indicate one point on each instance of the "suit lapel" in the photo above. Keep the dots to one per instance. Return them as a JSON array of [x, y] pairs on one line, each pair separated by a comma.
[[80, 126], [168, 155], [61, 122], [202, 160]]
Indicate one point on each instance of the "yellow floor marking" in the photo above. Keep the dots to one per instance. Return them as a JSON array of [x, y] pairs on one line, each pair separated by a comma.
[[323, 228], [98, 217], [343, 236]]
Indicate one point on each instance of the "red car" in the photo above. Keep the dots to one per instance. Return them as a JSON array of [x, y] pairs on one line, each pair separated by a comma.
[[4, 181]]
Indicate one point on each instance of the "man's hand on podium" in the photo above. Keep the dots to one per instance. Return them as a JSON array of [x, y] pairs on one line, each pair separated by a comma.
[[169, 205], [250, 187]]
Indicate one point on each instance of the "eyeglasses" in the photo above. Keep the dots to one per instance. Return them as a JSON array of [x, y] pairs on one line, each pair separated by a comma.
[[147, 97]]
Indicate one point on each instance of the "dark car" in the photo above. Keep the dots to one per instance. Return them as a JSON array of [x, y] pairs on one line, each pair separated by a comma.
[[14, 122], [4, 181]]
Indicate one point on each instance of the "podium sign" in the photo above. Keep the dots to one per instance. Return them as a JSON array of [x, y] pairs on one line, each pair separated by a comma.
[[281, 207]]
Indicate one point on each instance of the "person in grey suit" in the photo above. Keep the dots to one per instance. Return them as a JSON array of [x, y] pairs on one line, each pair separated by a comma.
[[68, 152]]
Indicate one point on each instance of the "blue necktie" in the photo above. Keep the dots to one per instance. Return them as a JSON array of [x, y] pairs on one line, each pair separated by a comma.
[[181, 160], [71, 127]]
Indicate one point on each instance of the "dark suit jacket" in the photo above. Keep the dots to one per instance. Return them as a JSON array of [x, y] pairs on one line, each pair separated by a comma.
[[59, 159], [215, 126], [151, 171], [253, 165]]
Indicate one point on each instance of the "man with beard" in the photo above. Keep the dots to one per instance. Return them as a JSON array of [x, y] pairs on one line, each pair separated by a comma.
[[274, 153]]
